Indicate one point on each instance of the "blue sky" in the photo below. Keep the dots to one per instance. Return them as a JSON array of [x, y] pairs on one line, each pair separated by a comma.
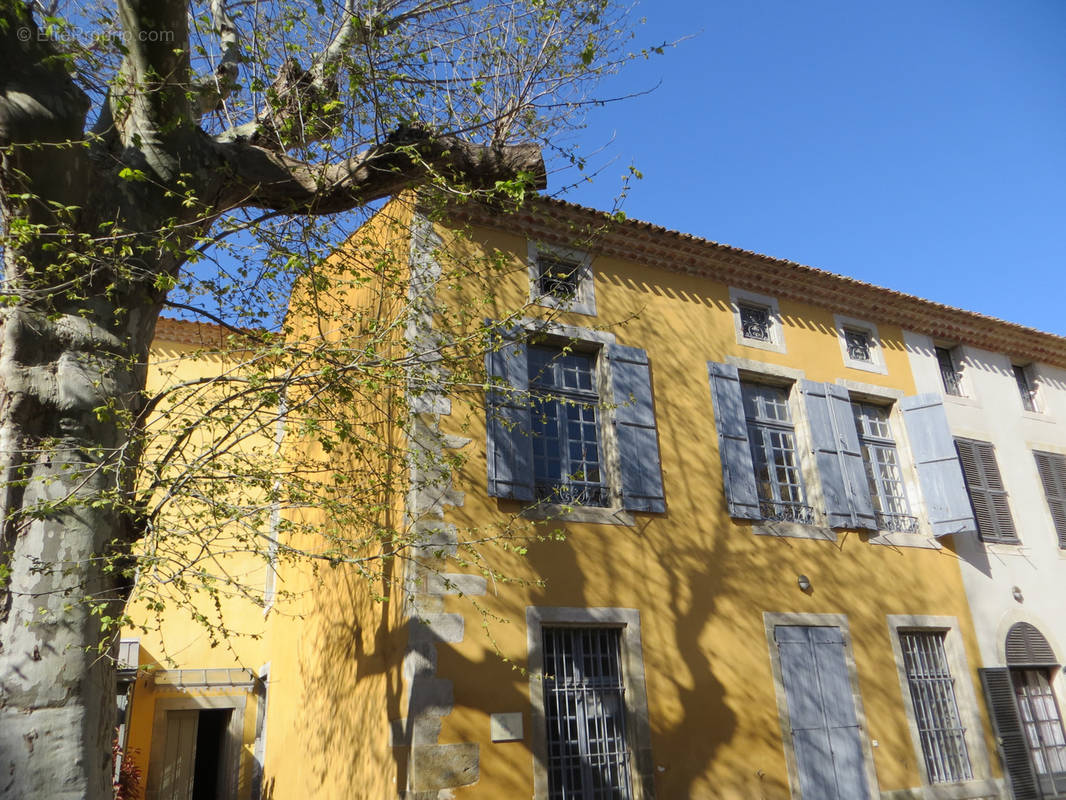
[[917, 145]]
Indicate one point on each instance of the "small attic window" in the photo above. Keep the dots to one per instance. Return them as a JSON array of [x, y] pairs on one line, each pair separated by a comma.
[[858, 344], [561, 277], [558, 277]]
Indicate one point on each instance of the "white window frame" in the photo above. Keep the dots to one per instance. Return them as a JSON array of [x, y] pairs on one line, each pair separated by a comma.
[[982, 784], [584, 299], [771, 620], [877, 355], [739, 297], [638, 727]]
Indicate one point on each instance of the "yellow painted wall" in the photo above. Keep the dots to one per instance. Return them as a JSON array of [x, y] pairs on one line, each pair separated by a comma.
[[700, 580]]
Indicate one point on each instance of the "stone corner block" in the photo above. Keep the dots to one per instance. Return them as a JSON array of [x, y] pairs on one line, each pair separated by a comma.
[[443, 766]]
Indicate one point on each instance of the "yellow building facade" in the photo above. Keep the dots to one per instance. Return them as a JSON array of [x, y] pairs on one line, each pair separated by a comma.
[[696, 540]]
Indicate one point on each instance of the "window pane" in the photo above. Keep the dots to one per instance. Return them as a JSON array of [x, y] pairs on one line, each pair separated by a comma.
[[755, 322], [565, 427], [883, 473], [1040, 720], [773, 450], [858, 344], [949, 374], [1025, 388]]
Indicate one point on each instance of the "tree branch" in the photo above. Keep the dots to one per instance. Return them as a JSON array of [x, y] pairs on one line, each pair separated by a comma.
[[156, 64], [211, 90], [38, 100], [264, 178]]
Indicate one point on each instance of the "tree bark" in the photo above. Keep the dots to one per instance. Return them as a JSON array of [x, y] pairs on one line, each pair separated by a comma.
[[74, 345], [65, 468]]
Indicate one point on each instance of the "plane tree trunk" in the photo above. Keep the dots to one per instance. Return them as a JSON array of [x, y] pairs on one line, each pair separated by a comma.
[[97, 222]]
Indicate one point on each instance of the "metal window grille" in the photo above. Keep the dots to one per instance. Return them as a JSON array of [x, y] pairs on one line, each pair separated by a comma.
[[565, 428], [883, 472], [755, 322], [1042, 724], [557, 277], [773, 451], [1025, 388], [584, 703], [949, 374], [858, 344], [932, 688]]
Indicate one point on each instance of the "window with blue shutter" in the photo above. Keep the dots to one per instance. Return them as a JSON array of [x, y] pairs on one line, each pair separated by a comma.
[[508, 420], [546, 410], [947, 504], [835, 442], [635, 432], [884, 475], [565, 416], [738, 470]]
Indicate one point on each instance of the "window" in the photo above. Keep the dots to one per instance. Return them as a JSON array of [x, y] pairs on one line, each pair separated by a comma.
[[1026, 389], [557, 277], [772, 438], [988, 496], [570, 425], [757, 320], [588, 757], [590, 733], [1052, 469], [932, 691], [1042, 724], [858, 344], [949, 372], [883, 473], [561, 277], [565, 412]]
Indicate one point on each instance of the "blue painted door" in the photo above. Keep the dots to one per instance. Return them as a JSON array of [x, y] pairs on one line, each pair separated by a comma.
[[821, 709]]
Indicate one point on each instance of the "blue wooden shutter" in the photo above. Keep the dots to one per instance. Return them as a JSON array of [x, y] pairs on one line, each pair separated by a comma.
[[845, 737], [1013, 748], [508, 426], [634, 426], [946, 502], [836, 447], [738, 471], [821, 711]]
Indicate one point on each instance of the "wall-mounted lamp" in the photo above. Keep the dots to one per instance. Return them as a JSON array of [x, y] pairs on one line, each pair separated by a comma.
[[1016, 593], [804, 583]]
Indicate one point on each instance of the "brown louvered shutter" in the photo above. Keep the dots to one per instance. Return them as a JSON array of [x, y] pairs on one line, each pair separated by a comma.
[[1027, 646], [987, 493], [1013, 748], [1052, 469]]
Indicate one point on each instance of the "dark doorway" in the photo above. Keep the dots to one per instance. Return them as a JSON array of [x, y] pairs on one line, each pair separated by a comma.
[[210, 742]]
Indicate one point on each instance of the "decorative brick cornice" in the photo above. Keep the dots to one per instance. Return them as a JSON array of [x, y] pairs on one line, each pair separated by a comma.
[[179, 331], [642, 242]]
